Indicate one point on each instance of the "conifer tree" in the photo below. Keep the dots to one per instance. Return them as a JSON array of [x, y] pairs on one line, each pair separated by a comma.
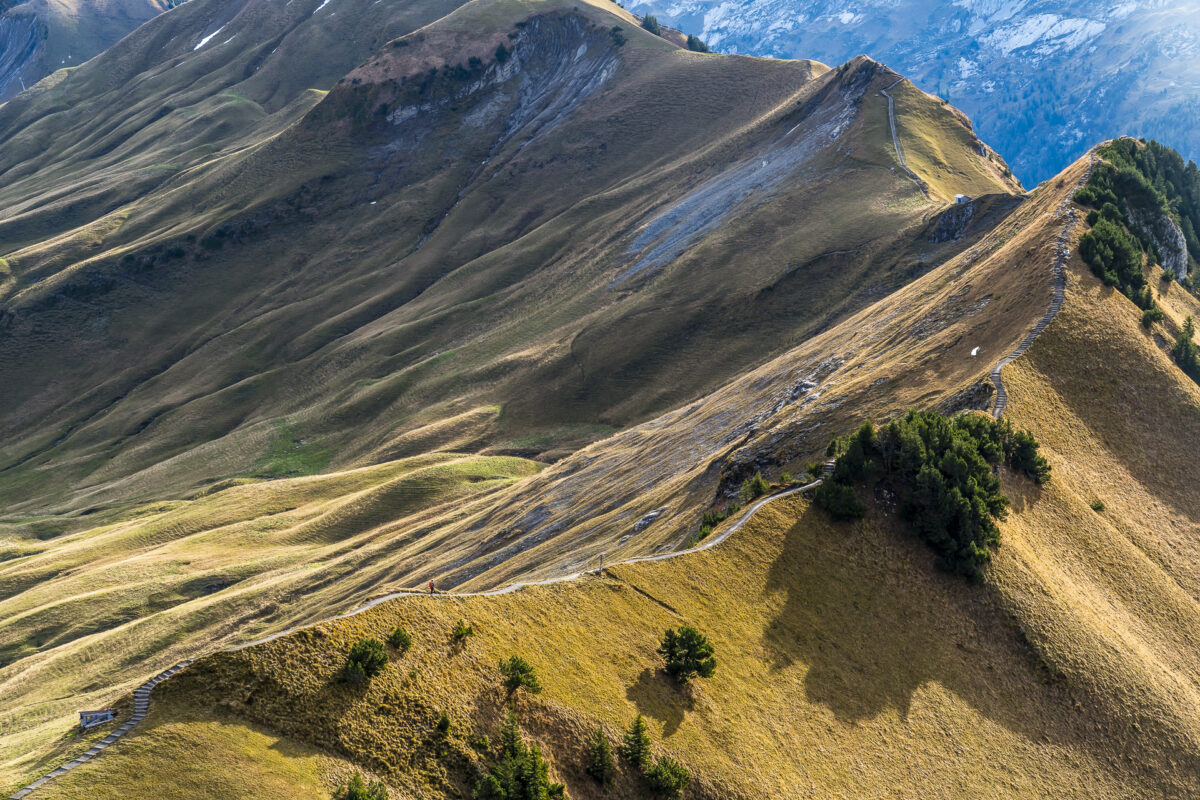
[[600, 761], [688, 654], [636, 747]]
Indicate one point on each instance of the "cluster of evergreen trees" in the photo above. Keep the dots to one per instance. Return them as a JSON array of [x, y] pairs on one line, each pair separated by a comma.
[[1115, 256], [521, 771], [1148, 177], [1185, 351], [1140, 176], [359, 789], [664, 776], [942, 472], [1152, 176]]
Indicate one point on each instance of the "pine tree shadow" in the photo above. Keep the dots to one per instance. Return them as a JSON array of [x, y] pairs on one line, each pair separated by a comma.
[[658, 696], [872, 621]]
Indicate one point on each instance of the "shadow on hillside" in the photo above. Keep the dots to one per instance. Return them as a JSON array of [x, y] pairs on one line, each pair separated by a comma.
[[873, 621], [1127, 404], [659, 697]]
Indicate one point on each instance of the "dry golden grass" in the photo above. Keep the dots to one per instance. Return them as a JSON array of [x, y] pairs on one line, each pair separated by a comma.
[[940, 146], [239, 760], [93, 612], [849, 667], [1110, 597]]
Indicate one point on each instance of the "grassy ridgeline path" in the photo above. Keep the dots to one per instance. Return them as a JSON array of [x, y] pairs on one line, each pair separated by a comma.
[[1062, 253], [141, 695], [896, 139]]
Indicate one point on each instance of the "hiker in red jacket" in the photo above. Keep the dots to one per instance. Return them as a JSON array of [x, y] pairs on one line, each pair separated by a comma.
[[431, 587]]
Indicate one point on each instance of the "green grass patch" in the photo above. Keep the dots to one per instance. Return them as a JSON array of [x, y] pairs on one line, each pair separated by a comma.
[[290, 456]]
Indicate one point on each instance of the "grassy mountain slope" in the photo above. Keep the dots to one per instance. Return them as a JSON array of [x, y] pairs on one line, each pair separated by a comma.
[[912, 348], [287, 338], [848, 668], [232, 241], [217, 275], [87, 605], [1068, 673], [1121, 419]]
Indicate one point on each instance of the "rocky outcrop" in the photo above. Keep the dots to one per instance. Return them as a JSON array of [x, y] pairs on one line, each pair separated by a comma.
[[21, 36], [977, 397], [953, 222], [1166, 237]]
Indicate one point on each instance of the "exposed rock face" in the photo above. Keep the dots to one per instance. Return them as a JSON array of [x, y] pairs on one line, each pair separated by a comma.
[[38, 37], [977, 397], [952, 224], [556, 63], [21, 36], [1166, 237]]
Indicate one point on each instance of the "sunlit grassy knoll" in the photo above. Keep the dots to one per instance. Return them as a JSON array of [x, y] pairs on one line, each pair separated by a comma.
[[849, 667], [89, 614], [940, 146]]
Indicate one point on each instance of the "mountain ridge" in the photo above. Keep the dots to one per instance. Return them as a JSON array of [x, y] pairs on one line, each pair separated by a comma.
[[39, 37], [1042, 79], [295, 163], [520, 290]]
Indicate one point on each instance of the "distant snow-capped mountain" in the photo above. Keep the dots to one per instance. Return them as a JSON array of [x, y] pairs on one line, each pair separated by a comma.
[[1042, 79]]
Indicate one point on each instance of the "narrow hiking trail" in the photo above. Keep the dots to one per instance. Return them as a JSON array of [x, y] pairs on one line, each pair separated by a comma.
[[141, 705], [896, 139], [141, 695], [1061, 254]]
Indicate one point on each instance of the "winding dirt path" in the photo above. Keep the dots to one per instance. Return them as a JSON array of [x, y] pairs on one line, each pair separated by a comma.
[[1062, 253], [141, 695]]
